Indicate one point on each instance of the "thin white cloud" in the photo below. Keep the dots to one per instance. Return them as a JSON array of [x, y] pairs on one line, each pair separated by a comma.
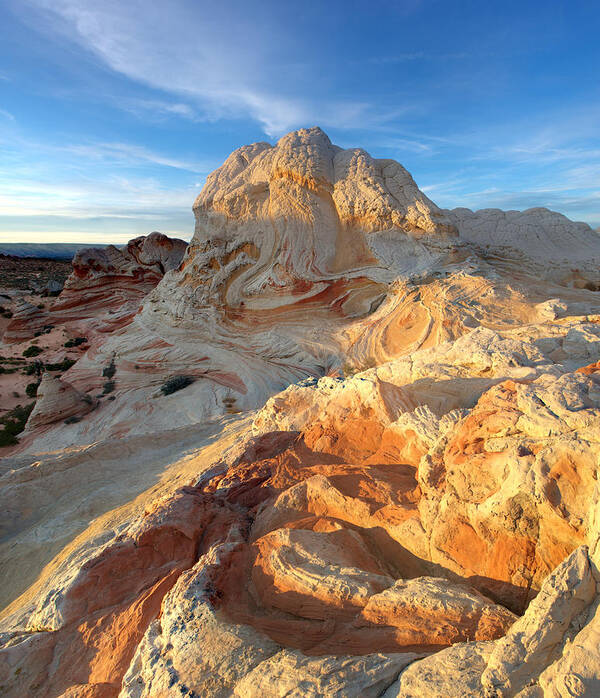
[[129, 153], [219, 61], [6, 115]]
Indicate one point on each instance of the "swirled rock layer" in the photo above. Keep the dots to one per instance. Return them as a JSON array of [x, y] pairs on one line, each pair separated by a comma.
[[380, 475]]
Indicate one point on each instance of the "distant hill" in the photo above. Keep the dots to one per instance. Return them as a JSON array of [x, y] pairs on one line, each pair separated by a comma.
[[50, 251]]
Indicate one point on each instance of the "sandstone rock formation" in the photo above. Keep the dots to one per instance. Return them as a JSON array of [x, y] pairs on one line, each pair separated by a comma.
[[383, 481], [108, 284], [27, 321], [57, 401]]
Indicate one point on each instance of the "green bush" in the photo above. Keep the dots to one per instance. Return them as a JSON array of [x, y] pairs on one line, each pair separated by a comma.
[[72, 420], [31, 389], [110, 370], [108, 387], [176, 383], [32, 351], [75, 342], [63, 365], [13, 423]]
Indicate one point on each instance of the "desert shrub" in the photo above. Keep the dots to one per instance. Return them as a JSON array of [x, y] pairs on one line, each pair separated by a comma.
[[108, 387], [32, 351], [8, 370], [13, 423], [31, 389], [72, 420], [110, 370], [75, 342], [63, 365], [176, 383]]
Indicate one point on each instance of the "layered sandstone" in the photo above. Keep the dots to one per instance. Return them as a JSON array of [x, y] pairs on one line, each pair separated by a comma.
[[384, 477], [27, 322], [57, 400], [108, 284]]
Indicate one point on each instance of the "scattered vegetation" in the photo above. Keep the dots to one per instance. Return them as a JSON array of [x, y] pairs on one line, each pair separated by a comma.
[[34, 368], [63, 365], [46, 329], [230, 406], [14, 369], [72, 420], [32, 351], [110, 370], [13, 423], [31, 389], [11, 360], [78, 341], [172, 385], [108, 387], [5, 312]]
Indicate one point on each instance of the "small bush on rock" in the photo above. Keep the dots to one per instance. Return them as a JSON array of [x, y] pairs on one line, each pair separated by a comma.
[[75, 342], [32, 351], [31, 389], [110, 370], [13, 423], [172, 385]]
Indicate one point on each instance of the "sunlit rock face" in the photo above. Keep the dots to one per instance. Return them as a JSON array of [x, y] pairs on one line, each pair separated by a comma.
[[382, 482]]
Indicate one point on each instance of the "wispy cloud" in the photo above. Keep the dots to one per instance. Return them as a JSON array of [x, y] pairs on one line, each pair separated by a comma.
[[222, 63], [128, 153], [6, 115]]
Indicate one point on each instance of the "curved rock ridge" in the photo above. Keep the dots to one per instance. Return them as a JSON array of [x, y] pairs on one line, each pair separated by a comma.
[[382, 480], [28, 321], [108, 284]]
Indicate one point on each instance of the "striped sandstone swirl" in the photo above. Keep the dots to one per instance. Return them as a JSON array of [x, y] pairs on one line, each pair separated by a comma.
[[383, 481]]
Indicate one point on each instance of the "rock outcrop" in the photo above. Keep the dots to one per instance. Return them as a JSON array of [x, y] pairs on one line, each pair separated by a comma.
[[536, 241], [108, 284], [57, 400], [393, 491], [27, 322]]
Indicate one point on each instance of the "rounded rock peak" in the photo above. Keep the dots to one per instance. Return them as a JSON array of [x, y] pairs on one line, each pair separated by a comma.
[[306, 186], [314, 135]]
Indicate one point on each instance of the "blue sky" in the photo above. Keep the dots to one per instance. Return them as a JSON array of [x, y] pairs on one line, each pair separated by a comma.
[[113, 112]]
